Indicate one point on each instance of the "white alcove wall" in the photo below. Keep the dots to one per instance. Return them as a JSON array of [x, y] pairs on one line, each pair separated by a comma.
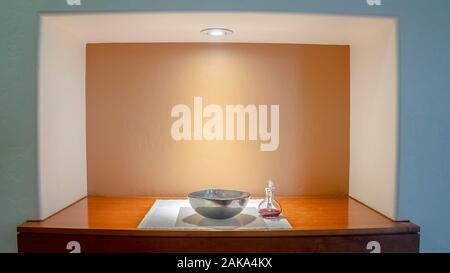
[[374, 88], [61, 119]]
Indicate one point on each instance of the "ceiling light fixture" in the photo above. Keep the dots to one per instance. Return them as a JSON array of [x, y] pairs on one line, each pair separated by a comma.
[[217, 32]]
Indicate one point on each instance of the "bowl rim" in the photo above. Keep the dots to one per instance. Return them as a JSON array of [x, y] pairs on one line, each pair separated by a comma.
[[243, 194]]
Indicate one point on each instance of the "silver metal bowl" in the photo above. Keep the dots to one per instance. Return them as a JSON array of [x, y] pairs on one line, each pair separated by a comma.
[[217, 203]]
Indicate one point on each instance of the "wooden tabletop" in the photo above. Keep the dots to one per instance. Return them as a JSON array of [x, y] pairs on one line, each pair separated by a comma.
[[308, 216]]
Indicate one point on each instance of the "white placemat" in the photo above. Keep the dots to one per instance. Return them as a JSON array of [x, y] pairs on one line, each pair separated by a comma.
[[178, 214]]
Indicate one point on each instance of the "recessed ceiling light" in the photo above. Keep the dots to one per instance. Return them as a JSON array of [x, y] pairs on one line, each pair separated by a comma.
[[217, 32]]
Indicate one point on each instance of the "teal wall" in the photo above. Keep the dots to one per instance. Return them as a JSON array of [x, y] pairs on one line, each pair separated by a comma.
[[424, 143]]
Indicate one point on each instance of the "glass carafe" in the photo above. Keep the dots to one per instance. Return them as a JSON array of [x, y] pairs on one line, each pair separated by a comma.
[[269, 208]]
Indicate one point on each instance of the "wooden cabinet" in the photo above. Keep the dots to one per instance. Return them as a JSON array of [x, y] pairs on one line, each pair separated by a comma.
[[320, 224], [32, 242]]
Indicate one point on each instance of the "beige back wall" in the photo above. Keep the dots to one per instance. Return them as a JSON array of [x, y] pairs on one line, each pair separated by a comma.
[[131, 89]]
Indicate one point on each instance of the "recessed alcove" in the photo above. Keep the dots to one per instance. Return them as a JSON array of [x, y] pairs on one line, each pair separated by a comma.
[[372, 42]]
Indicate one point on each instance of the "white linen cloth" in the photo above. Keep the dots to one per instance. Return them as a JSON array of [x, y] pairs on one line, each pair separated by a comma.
[[178, 214]]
